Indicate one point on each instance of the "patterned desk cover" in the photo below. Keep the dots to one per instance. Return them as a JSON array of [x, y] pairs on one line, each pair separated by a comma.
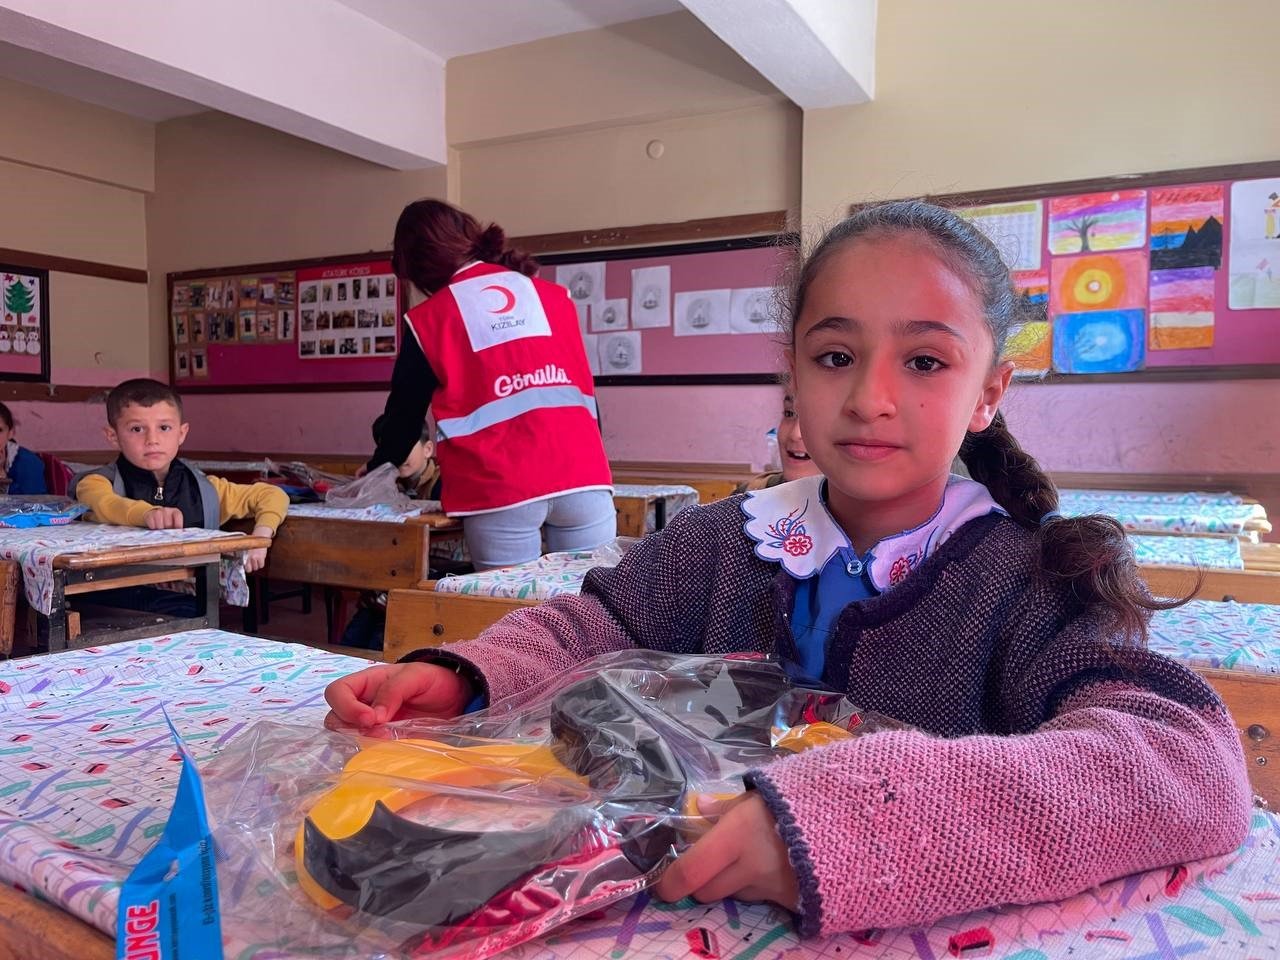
[[1157, 515], [380, 512], [87, 773], [36, 548], [1213, 553]]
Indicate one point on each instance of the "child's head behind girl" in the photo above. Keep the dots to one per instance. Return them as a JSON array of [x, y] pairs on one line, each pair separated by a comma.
[[899, 317]]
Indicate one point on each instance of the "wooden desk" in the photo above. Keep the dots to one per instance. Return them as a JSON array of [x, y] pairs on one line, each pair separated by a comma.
[[80, 559], [1245, 586], [425, 618]]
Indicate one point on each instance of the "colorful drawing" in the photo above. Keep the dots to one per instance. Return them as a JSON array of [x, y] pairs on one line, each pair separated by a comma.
[[1030, 347], [1181, 308], [1254, 264], [1108, 281], [1186, 227], [1017, 230], [1098, 221], [1099, 341]]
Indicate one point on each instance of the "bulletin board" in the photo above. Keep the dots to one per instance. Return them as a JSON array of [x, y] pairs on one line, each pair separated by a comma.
[[24, 323], [1171, 275], [327, 324], [690, 313]]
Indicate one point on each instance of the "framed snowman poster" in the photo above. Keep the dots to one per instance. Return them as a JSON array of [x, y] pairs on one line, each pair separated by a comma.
[[24, 324]]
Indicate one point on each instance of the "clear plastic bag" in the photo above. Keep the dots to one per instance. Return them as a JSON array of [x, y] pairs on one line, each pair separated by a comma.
[[39, 510], [470, 836], [378, 487]]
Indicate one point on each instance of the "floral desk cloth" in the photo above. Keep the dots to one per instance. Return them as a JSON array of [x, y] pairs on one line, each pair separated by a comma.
[[544, 578], [1229, 636], [87, 774], [1156, 515], [35, 549], [677, 496], [1214, 553], [381, 512], [1104, 497]]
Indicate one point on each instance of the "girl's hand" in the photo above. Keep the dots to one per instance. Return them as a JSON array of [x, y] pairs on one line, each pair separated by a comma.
[[395, 691], [742, 857]]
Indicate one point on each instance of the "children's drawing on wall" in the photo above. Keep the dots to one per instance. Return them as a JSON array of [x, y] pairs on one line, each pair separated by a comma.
[[1017, 230], [1099, 341], [1254, 262], [584, 281], [199, 363], [181, 364], [285, 288], [753, 310], [1098, 222], [181, 296], [179, 327], [702, 312], [21, 294], [284, 325], [1186, 227], [1181, 308], [310, 293], [1098, 282], [197, 327], [650, 297], [620, 353], [248, 291], [248, 325], [1029, 344], [609, 315], [266, 295]]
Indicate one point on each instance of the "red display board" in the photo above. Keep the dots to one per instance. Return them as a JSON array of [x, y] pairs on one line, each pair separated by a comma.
[[320, 324]]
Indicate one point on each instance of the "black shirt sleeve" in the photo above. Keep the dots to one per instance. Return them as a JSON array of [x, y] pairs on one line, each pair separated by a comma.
[[412, 384]]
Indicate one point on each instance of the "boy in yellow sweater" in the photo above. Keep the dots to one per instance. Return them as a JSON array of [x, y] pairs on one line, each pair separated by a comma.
[[148, 485]]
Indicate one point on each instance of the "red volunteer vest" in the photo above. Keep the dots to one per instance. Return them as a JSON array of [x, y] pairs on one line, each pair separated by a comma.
[[516, 404]]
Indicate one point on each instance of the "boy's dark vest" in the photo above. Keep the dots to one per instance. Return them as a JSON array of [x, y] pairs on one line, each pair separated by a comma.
[[209, 504]]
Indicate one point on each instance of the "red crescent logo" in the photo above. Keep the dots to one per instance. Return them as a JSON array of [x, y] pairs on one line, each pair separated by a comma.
[[510, 302]]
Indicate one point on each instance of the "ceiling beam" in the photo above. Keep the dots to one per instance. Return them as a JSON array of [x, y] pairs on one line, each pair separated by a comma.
[[820, 53], [314, 68]]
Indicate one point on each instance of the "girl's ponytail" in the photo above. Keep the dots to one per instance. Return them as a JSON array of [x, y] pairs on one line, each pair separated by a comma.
[[1089, 553]]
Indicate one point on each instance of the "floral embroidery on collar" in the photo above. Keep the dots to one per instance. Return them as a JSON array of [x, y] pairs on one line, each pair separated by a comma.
[[791, 525]]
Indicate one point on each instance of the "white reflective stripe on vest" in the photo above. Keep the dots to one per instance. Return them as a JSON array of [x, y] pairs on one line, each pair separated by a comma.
[[508, 408]]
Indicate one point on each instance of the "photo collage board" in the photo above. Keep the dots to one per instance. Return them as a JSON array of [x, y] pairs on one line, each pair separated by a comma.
[[250, 326], [1139, 278], [347, 311], [244, 311]]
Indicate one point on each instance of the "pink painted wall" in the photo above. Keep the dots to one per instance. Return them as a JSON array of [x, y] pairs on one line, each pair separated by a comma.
[[1202, 427]]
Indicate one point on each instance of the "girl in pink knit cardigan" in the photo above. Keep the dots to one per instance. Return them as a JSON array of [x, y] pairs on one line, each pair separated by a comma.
[[1050, 751]]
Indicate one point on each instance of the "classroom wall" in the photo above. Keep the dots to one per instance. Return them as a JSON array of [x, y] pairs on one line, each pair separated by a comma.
[[230, 192], [1002, 93], [571, 155], [72, 184]]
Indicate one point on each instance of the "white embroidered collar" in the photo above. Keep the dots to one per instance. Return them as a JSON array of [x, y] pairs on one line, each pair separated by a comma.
[[791, 525]]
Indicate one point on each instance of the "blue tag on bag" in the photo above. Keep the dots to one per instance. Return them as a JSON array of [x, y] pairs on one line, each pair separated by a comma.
[[169, 903]]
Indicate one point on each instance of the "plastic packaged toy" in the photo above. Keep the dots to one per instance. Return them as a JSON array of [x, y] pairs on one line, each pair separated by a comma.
[[39, 511], [467, 837]]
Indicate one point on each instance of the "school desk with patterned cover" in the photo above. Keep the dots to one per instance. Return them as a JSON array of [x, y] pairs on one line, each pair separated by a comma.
[[87, 774]]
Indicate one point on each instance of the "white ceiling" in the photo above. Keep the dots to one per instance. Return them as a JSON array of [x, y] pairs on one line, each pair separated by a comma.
[[91, 86], [160, 59], [450, 28]]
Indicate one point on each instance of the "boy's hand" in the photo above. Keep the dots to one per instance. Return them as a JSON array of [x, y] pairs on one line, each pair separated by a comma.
[[395, 691], [255, 560], [742, 857], [164, 518]]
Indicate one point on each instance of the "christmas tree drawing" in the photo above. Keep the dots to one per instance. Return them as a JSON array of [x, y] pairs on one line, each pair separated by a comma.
[[17, 297]]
